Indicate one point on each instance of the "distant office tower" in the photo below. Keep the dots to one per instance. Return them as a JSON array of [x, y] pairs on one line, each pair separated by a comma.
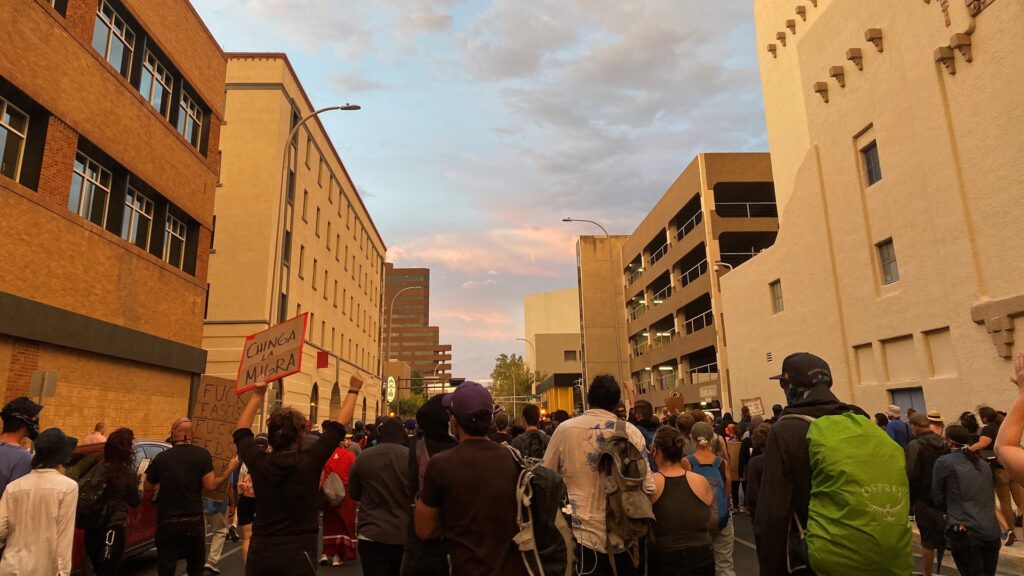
[[408, 333]]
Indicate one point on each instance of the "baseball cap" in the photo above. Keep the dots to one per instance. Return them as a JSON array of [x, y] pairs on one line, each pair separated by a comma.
[[23, 410], [468, 399], [804, 370]]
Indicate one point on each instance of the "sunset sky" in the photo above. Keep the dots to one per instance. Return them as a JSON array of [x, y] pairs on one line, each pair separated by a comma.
[[484, 122]]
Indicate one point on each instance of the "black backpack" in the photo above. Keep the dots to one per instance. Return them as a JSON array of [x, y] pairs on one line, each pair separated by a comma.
[[533, 444], [92, 502], [545, 537], [921, 488]]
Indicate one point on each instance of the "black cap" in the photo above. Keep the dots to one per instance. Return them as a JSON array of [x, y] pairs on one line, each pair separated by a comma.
[[805, 370], [53, 448], [23, 410]]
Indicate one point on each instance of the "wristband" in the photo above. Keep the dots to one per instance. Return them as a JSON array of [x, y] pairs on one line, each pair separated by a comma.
[[353, 391]]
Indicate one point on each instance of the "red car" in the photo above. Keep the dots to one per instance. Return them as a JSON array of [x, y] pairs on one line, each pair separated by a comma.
[[141, 530]]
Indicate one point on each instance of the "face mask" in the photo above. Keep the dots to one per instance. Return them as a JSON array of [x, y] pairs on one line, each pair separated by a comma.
[[793, 393]]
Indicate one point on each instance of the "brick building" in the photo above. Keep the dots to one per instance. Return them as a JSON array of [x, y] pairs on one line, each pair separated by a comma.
[[110, 114], [408, 334]]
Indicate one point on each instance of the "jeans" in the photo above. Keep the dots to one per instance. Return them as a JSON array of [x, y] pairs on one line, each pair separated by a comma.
[[380, 559], [424, 558], [1008, 492], [695, 561], [282, 556], [723, 544], [106, 561], [594, 563], [181, 539], [216, 524], [973, 556]]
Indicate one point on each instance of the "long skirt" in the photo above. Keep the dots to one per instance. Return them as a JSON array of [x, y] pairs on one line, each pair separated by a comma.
[[340, 530]]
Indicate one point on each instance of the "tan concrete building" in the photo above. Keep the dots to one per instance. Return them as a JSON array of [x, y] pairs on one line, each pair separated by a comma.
[[603, 328], [552, 328], [718, 214], [110, 115], [894, 131], [408, 335], [276, 255]]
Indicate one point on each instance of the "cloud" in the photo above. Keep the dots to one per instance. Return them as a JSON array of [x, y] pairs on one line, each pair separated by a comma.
[[474, 284], [355, 83], [523, 252], [476, 323]]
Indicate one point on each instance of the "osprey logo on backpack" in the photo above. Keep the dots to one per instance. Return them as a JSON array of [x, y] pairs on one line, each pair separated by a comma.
[[544, 539], [629, 514]]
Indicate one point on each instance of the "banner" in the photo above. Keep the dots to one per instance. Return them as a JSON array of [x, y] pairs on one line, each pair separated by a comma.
[[755, 406], [674, 403], [273, 353], [214, 417]]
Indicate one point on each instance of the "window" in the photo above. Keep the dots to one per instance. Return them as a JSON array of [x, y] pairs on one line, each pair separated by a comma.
[[113, 39], [138, 218], [346, 257], [174, 242], [314, 398], [872, 167], [312, 326], [90, 190], [328, 235], [190, 120], [13, 132], [887, 258], [320, 174], [315, 263], [335, 293], [317, 230], [286, 249], [309, 148], [60, 6], [325, 284], [776, 290], [156, 84], [323, 330], [302, 260], [337, 245], [569, 355], [305, 205]]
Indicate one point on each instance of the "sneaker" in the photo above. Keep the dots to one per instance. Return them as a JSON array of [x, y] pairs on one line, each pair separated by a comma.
[[211, 569], [233, 533], [324, 560], [1019, 522], [336, 561], [1009, 539]]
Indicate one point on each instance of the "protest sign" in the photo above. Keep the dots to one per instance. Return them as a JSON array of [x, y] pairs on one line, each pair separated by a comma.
[[272, 354], [214, 417], [755, 406], [674, 403]]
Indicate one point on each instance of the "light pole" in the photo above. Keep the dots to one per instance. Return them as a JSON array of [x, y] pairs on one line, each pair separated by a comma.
[[533, 370], [615, 307], [391, 322], [278, 256]]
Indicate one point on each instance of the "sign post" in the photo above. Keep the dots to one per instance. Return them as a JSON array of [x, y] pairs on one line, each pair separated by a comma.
[[213, 420], [43, 385], [272, 354]]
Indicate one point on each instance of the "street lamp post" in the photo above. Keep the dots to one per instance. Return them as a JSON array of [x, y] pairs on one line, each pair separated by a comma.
[[534, 369], [614, 307], [391, 323], [278, 256]]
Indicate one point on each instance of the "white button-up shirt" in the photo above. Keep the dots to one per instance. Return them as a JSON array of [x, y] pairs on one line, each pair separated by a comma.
[[573, 452], [37, 521]]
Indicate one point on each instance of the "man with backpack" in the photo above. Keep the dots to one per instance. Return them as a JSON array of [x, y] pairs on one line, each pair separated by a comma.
[[576, 450], [534, 442], [922, 453], [897, 429], [856, 522]]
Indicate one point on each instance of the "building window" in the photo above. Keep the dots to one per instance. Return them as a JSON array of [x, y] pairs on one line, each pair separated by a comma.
[[315, 264], [60, 6], [887, 258], [302, 260], [569, 355], [872, 167], [317, 229], [286, 250], [156, 84], [174, 242], [90, 190], [190, 120], [138, 218], [328, 235], [320, 174], [335, 293], [305, 205], [314, 399], [113, 39], [309, 148], [776, 290], [337, 245], [13, 133], [325, 283]]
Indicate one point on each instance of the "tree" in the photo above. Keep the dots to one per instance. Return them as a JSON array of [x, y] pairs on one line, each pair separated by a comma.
[[510, 377], [416, 383], [407, 407]]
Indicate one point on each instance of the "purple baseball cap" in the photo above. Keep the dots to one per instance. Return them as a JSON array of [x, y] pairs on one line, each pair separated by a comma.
[[468, 399]]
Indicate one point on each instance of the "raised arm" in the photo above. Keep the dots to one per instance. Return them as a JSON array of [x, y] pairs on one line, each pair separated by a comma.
[[348, 406], [248, 415], [1008, 448]]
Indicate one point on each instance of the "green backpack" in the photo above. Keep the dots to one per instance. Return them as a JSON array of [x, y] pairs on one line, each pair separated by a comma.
[[857, 522]]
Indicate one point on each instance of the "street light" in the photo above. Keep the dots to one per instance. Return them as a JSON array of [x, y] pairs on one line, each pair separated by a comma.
[[614, 307], [278, 256], [533, 388]]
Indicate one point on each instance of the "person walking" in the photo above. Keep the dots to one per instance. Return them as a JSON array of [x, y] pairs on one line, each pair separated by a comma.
[[477, 519], [1007, 489], [339, 539], [105, 545], [379, 482], [216, 513], [573, 452], [755, 471], [897, 429], [245, 497], [37, 512], [533, 442], [20, 420], [684, 505], [713, 468], [500, 434], [922, 453], [962, 487], [286, 482], [747, 451], [426, 557], [179, 475]]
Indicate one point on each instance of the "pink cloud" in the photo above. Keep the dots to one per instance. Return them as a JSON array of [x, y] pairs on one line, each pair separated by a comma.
[[475, 323], [531, 252]]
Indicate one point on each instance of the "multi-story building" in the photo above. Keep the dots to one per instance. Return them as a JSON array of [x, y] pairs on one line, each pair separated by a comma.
[[408, 335], [292, 237], [895, 140], [110, 115], [602, 327], [553, 347], [718, 214]]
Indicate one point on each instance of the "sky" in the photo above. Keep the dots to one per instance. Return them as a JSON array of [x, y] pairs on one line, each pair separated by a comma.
[[485, 122]]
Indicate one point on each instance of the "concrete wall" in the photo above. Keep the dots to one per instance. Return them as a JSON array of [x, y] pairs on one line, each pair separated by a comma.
[[599, 262], [556, 312]]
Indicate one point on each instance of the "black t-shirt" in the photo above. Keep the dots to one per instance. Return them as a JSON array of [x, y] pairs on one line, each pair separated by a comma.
[[179, 471], [287, 484], [498, 437], [478, 517]]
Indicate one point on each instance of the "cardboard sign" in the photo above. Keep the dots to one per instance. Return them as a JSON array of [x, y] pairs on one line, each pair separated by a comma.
[[272, 354], [674, 403], [214, 417], [755, 406]]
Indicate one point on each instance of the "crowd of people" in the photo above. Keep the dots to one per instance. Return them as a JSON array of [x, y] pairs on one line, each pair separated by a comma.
[[444, 493]]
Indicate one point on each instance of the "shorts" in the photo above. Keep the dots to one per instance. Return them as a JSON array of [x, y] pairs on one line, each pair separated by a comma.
[[246, 510], [932, 524]]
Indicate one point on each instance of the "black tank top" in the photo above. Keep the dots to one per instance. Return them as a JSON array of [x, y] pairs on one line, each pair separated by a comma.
[[682, 517]]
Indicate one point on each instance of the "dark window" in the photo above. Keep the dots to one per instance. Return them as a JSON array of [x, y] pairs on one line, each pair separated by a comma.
[[887, 259], [776, 289], [113, 38], [872, 166], [190, 119], [60, 6]]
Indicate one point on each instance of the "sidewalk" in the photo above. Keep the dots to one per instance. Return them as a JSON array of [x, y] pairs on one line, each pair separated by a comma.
[[1011, 558]]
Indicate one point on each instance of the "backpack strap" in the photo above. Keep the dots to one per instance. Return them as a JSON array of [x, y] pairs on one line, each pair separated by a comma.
[[804, 417]]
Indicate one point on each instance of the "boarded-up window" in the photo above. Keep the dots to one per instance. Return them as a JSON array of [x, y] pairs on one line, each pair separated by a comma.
[[941, 354], [867, 369], [900, 359]]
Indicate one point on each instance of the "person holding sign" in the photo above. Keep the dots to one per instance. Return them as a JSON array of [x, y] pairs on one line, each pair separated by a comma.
[[286, 482]]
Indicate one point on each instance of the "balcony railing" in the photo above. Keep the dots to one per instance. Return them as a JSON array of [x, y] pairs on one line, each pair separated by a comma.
[[667, 380], [634, 275], [737, 258], [694, 273], [641, 348], [703, 374], [663, 337], [689, 225], [663, 294], [644, 386], [637, 311], [657, 254], [700, 322], [747, 209]]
